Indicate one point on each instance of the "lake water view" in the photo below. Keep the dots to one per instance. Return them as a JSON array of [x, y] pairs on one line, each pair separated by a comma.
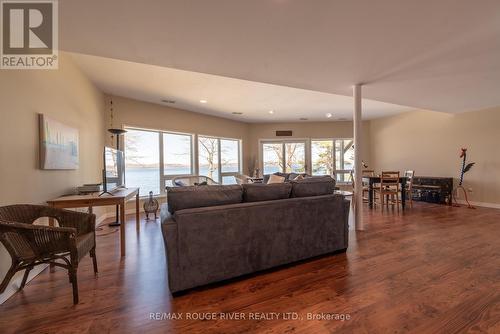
[[148, 179]]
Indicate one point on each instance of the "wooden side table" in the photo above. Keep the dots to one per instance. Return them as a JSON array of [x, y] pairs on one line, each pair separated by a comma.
[[119, 197]]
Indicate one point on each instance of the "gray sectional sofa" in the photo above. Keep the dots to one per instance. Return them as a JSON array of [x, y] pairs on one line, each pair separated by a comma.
[[213, 233]]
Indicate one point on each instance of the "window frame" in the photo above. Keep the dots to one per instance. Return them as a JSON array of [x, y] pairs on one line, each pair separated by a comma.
[[168, 177], [219, 157], [283, 142], [194, 154], [308, 152], [123, 148]]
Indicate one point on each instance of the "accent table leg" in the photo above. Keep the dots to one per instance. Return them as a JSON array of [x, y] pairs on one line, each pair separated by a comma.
[[137, 218], [403, 193], [370, 193], [52, 267], [122, 228]]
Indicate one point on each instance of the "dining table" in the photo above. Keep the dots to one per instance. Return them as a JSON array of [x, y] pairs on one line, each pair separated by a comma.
[[373, 180]]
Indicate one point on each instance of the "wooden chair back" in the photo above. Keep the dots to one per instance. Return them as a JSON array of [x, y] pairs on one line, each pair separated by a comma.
[[409, 174], [389, 181], [368, 172]]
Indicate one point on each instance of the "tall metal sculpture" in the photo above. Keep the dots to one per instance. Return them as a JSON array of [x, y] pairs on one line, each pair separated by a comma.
[[465, 168]]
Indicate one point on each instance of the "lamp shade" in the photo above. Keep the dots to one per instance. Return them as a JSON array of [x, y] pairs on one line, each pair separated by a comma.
[[117, 131]]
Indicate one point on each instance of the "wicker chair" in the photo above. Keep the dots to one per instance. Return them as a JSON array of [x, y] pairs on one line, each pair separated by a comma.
[[30, 245], [193, 180]]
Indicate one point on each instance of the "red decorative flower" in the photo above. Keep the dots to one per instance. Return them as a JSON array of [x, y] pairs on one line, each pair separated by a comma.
[[464, 150]]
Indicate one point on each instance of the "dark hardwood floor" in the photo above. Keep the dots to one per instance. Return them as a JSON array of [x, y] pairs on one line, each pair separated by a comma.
[[434, 269]]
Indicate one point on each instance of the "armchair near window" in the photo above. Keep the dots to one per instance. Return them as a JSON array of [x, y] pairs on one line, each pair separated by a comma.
[[31, 245], [243, 179], [193, 180]]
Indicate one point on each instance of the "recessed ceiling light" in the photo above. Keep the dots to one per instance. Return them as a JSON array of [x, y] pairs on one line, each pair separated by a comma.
[[328, 115], [271, 112], [303, 119], [203, 101], [168, 101], [237, 113]]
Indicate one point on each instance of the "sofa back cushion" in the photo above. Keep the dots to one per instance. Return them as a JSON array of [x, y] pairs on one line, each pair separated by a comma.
[[179, 198], [256, 192], [313, 186]]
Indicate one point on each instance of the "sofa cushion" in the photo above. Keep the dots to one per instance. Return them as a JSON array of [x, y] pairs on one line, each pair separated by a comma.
[[313, 186], [255, 192], [179, 198]]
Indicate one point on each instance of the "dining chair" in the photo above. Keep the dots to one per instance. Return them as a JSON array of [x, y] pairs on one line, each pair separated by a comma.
[[388, 190], [366, 186], [409, 174], [365, 173]]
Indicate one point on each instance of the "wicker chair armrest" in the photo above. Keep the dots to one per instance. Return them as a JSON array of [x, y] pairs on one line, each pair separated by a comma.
[[24, 239], [82, 222]]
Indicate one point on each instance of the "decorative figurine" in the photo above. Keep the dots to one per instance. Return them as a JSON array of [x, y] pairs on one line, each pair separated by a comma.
[[151, 206], [465, 169], [257, 172]]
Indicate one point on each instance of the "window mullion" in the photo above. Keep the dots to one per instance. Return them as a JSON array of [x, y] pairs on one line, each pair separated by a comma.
[[196, 159], [219, 160], [334, 148], [162, 164], [283, 153]]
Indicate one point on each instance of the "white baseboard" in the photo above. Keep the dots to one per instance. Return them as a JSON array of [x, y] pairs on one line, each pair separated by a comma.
[[480, 204]]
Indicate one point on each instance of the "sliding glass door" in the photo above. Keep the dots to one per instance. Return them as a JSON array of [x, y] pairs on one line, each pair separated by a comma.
[[295, 157], [284, 157], [322, 157], [312, 156], [272, 158], [344, 158]]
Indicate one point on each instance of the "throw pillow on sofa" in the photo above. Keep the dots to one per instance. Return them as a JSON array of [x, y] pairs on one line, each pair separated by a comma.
[[276, 179]]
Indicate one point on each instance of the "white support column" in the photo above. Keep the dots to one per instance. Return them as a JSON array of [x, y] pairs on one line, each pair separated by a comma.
[[358, 168]]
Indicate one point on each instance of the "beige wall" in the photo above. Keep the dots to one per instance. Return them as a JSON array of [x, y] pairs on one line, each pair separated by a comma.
[[306, 130], [430, 143], [65, 95]]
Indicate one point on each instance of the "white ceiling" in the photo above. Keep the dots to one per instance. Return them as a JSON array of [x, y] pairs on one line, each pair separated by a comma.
[[224, 95], [437, 55]]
